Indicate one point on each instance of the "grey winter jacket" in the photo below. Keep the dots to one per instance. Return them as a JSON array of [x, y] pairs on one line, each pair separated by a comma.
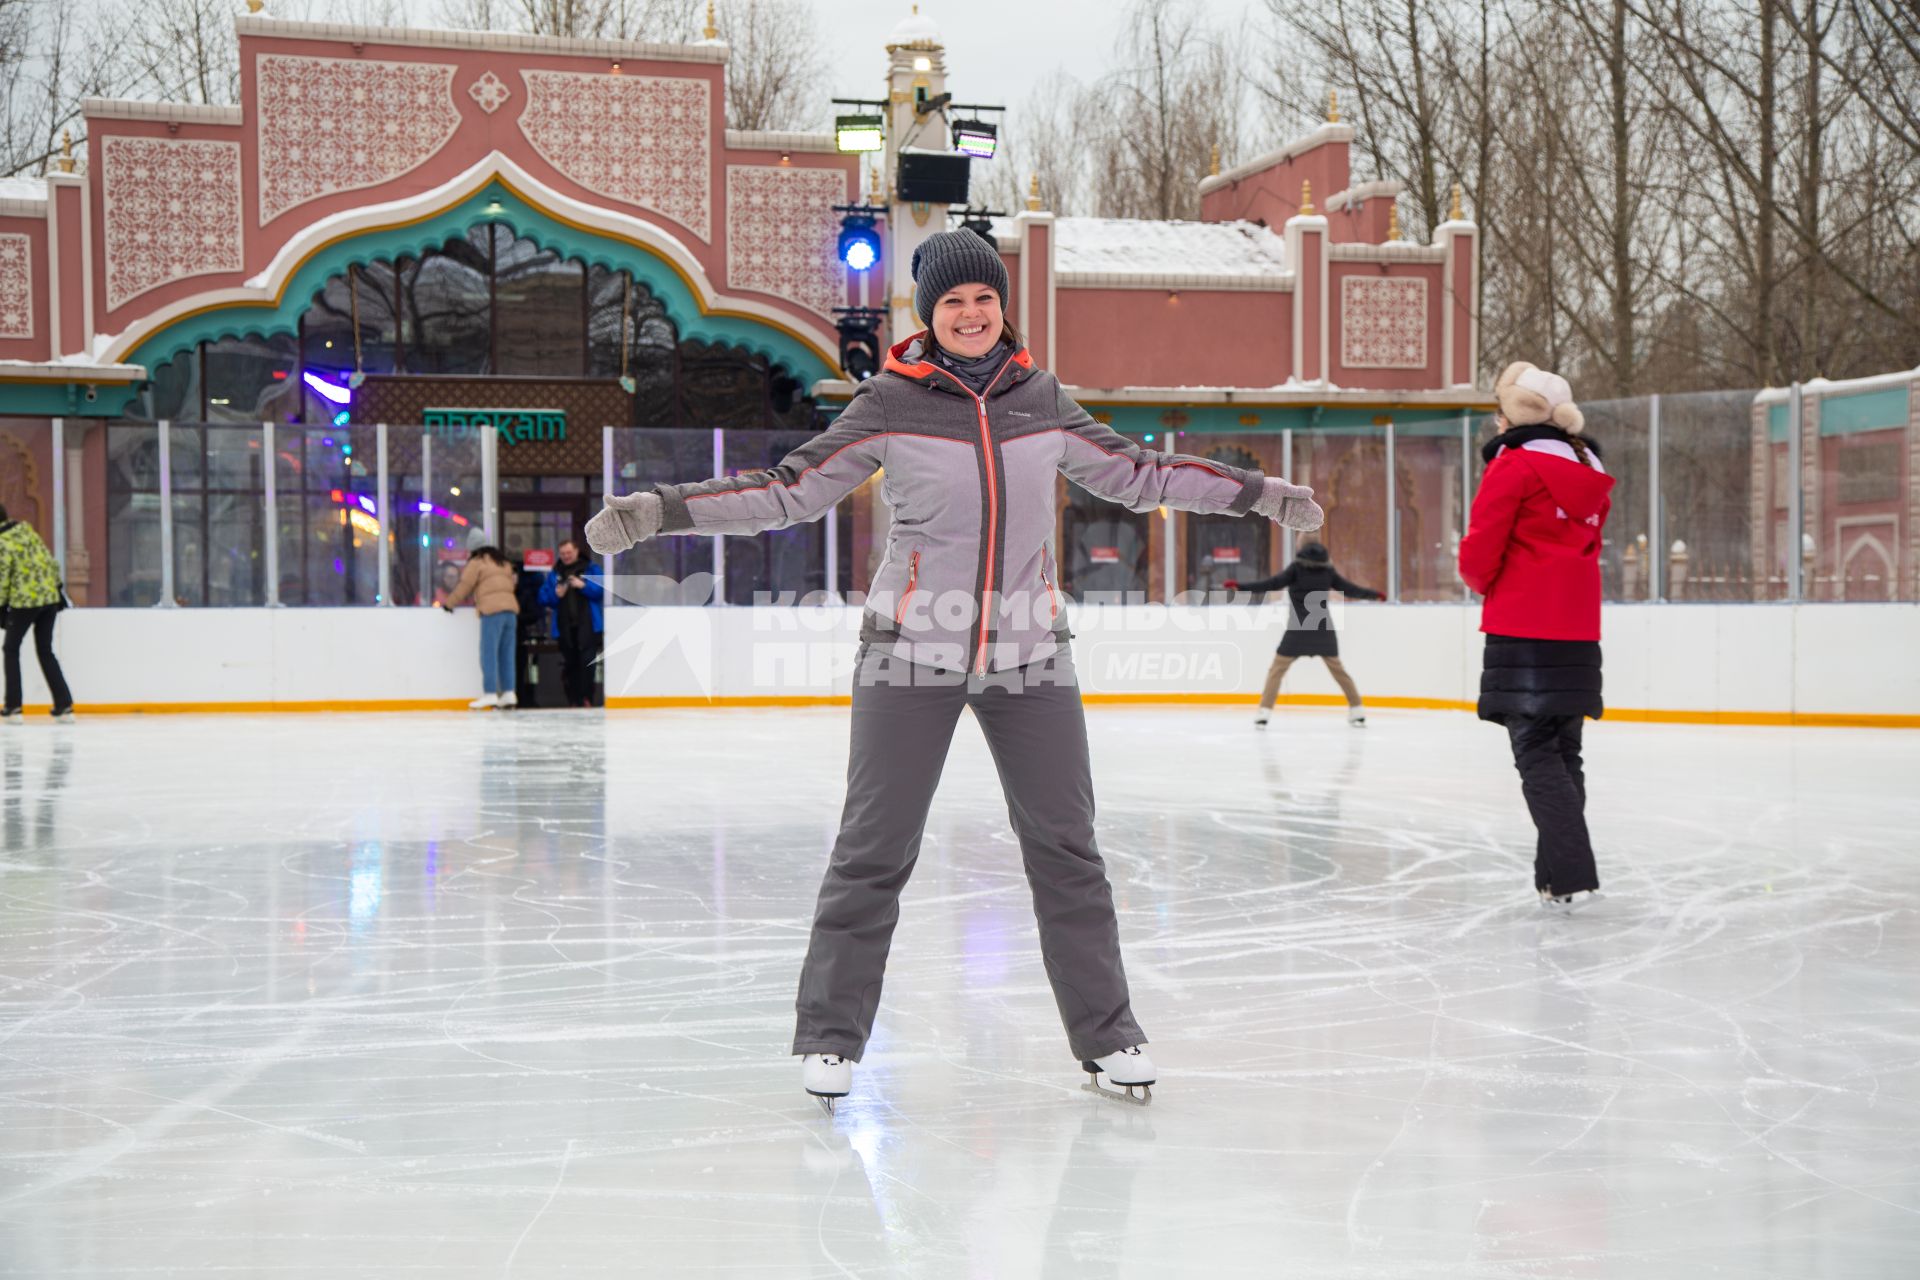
[[969, 578]]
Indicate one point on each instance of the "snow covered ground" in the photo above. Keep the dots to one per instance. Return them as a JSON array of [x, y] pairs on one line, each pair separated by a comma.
[[510, 995]]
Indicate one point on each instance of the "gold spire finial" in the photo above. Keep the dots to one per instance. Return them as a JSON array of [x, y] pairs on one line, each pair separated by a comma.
[[1333, 106], [1306, 199], [1456, 214], [1393, 221], [1213, 164], [66, 151], [255, 6], [1033, 192], [713, 29]]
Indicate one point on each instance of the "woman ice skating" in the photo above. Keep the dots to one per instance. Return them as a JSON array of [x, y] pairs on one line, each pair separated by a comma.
[[1310, 634], [489, 581], [30, 600], [572, 596], [964, 613], [1533, 550]]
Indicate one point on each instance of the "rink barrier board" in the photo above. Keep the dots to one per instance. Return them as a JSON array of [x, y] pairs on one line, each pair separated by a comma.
[[1786, 719]]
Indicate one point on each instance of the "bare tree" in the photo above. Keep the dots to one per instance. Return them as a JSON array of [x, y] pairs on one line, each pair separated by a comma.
[[778, 66]]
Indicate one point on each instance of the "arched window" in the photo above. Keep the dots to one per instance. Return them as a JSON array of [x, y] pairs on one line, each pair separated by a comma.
[[488, 303]]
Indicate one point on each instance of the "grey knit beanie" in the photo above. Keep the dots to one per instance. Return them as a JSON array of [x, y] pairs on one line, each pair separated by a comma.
[[477, 537], [951, 258]]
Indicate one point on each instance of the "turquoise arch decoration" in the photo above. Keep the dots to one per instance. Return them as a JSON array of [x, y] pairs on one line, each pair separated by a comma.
[[492, 203]]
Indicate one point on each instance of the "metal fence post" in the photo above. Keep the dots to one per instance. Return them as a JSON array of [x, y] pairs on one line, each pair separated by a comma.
[[490, 483], [383, 516], [1393, 520], [167, 600], [1796, 505], [1288, 538], [59, 530], [833, 553], [606, 491], [1657, 551], [270, 498], [1466, 484], [719, 546], [425, 506]]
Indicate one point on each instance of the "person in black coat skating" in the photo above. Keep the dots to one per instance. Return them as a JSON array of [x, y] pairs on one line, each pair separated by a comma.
[[1308, 582]]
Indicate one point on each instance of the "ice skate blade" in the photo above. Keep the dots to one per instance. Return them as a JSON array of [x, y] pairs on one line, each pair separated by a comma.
[[826, 1100], [1143, 1099]]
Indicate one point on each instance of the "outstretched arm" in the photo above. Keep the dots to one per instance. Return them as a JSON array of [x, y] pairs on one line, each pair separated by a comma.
[[1109, 465], [1355, 591], [803, 486]]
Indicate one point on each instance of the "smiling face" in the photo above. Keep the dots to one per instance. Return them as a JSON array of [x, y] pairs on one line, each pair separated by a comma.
[[967, 320], [568, 553]]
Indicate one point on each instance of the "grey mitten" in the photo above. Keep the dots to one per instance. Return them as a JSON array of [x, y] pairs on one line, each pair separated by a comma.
[[1289, 505], [625, 520]]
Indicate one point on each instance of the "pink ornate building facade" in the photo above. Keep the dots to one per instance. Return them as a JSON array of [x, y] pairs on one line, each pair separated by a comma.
[[396, 222]]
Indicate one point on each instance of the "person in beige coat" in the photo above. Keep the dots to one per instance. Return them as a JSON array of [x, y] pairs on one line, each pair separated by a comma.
[[488, 581]]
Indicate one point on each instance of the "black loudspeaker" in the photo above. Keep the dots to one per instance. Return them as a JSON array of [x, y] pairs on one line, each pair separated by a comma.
[[933, 177]]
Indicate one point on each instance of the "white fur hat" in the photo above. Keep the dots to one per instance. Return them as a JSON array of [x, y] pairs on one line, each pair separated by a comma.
[[1528, 395]]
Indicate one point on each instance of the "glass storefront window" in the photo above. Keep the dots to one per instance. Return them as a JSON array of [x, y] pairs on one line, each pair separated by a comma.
[[1347, 467], [1431, 508], [133, 514], [540, 305], [252, 379], [447, 309]]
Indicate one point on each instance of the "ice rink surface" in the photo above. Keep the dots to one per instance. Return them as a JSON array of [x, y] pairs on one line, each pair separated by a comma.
[[510, 995]]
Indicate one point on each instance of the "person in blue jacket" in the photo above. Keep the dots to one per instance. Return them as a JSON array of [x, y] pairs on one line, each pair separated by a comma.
[[572, 594]]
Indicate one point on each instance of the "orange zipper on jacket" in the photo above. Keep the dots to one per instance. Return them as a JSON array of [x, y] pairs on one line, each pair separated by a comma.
[[993, 504], [1051, 593], [913, 576]]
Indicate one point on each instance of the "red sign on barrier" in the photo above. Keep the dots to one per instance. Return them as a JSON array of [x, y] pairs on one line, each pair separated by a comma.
[[1104, 555], [1226, 555], [541, 560]]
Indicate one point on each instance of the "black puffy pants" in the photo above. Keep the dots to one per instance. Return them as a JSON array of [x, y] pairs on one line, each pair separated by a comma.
[[1546, 751]]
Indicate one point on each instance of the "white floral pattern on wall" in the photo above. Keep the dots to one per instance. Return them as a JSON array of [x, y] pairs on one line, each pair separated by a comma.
[[338, 124], [1383, 322], [172, 211], [642, 140], [783, 235], [490, 91], [16, 286]]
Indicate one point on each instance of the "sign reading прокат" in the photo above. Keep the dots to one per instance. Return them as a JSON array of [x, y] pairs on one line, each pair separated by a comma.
[[515, 426]]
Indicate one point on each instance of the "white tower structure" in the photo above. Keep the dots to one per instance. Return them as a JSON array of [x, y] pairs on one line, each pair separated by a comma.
[[916, 73]]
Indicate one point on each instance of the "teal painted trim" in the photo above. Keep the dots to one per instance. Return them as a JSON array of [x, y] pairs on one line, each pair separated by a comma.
[[1777, 423], [493, 203], [1865, 411], [60, 400]]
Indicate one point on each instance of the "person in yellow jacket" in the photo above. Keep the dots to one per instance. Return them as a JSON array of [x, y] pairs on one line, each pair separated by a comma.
[[30, 599]]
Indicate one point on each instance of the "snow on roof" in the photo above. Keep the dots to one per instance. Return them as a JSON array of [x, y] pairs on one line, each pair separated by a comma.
[[23, 188], [1126, 246]]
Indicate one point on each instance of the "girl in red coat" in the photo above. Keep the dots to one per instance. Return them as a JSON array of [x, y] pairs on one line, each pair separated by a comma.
[[1533, 550]]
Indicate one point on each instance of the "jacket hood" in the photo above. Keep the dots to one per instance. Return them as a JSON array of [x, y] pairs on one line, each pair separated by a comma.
[[908, 358], [1577, 489]]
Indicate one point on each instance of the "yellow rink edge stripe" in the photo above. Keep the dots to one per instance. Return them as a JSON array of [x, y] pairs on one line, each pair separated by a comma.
[[1799, 719]]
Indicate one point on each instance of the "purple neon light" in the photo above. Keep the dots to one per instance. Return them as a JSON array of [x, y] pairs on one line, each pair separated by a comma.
[[332, 391]]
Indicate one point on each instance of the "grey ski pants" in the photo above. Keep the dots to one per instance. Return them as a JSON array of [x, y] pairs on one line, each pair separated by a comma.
[[903, 720]]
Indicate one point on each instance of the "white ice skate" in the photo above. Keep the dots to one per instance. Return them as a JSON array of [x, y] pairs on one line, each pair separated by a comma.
[[485, 702], [1357, 718], [1260, 718], [508, 700], [1565, 904], [1130, 1069], [827, 1076]]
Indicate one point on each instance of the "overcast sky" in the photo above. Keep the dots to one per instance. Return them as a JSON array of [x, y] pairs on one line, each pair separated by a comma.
[[996, 49]]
